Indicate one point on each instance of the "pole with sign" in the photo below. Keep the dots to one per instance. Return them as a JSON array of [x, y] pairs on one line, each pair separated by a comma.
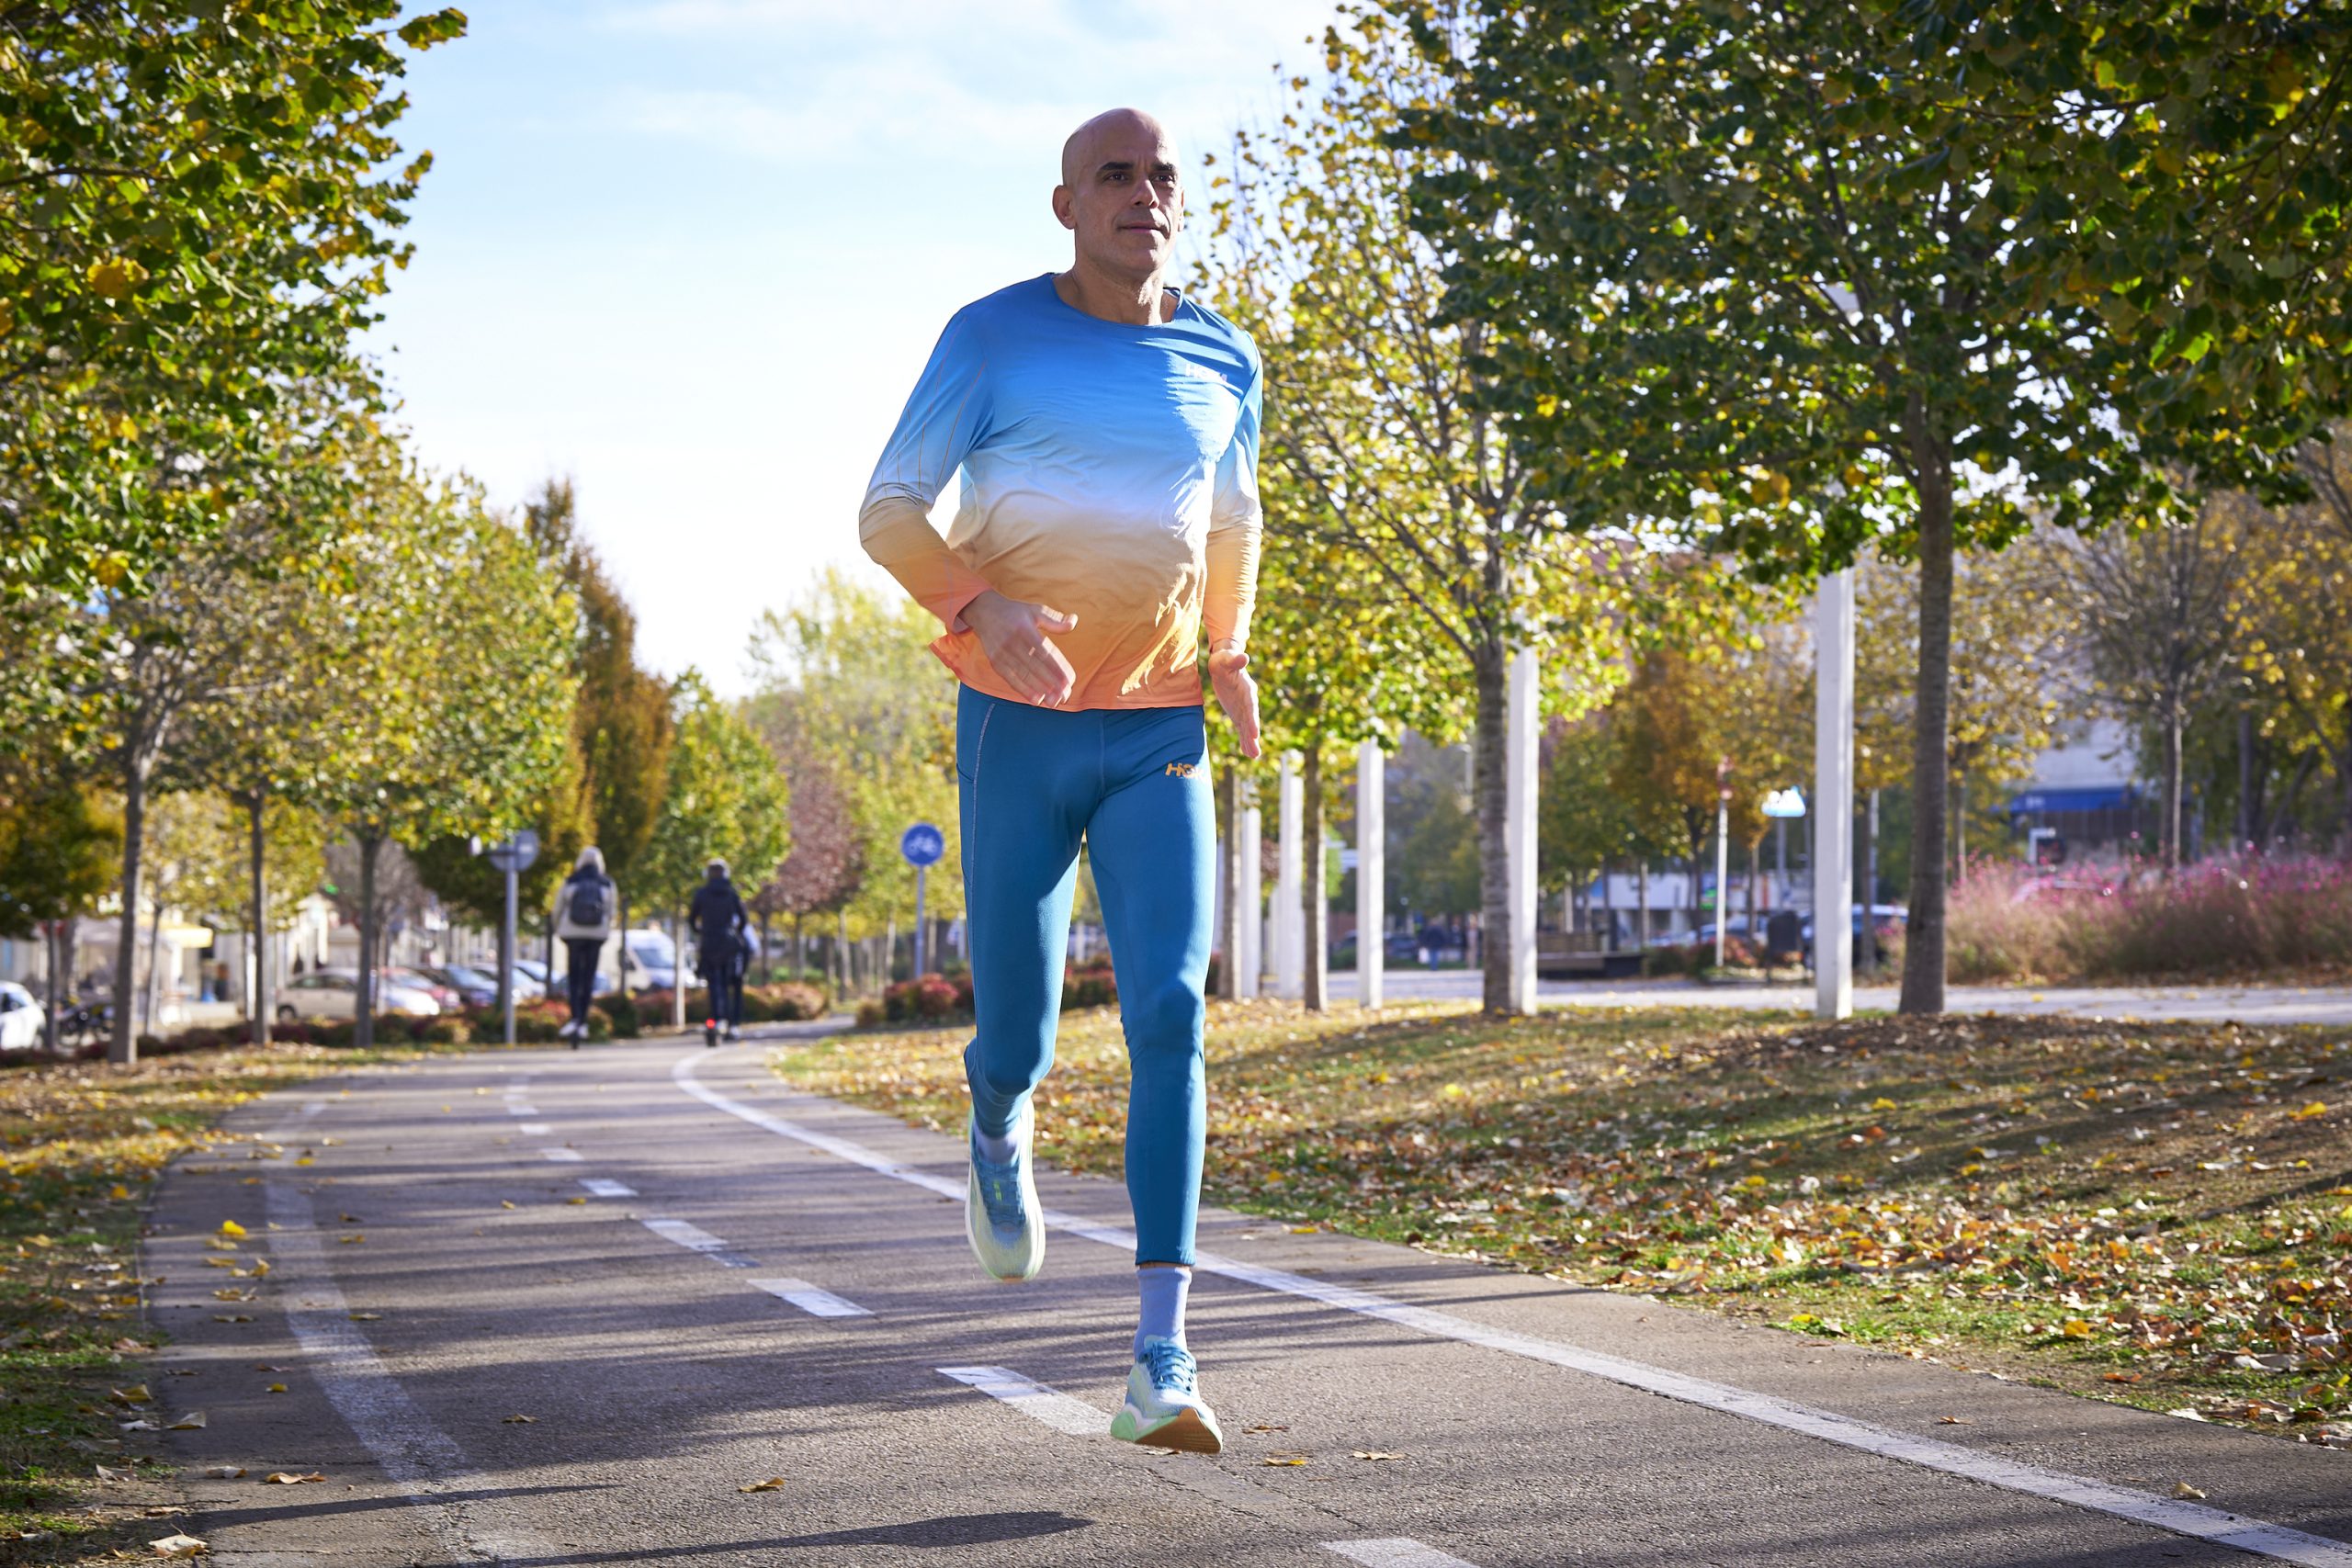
[[1784, 805], [511, 858], [1723, 854], [922, 845]]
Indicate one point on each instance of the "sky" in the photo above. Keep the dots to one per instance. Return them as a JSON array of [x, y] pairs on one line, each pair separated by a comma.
[[694, 252]]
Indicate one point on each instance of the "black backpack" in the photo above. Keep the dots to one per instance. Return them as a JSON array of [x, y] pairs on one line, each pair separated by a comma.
[[592, 901]]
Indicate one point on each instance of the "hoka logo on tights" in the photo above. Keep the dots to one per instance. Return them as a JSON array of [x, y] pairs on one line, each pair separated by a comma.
[[1181, 770]]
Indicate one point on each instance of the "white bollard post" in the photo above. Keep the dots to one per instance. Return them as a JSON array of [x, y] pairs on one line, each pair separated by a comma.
[[1372, 868], [1290, 914], [1523, 719], [1250, 918], [1833, 802]]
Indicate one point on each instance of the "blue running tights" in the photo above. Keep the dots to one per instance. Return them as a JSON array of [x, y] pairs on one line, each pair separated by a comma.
[[1134, 784]]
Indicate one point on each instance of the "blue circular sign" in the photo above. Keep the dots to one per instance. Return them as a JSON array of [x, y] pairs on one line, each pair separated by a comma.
[[922, 845]]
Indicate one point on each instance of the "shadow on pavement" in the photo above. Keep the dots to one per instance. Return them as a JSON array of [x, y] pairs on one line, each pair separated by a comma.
[[950, 1530]]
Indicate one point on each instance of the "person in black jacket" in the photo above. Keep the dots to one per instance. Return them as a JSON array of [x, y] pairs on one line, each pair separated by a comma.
[[721, 945], [583, 919]]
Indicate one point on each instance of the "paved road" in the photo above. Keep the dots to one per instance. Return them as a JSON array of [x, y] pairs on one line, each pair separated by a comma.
[[2245, 1004], [692, 1279]]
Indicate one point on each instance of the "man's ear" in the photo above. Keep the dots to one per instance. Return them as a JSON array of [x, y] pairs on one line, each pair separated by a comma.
[[1062, 204]]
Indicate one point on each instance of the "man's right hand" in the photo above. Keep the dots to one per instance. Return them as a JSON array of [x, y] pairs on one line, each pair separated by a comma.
[[1014, 635]]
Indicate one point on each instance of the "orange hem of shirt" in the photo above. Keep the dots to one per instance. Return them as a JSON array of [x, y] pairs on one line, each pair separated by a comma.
[[1179, 688]]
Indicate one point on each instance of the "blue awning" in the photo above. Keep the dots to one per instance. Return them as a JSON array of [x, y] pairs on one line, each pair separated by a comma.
[[2099, 798]]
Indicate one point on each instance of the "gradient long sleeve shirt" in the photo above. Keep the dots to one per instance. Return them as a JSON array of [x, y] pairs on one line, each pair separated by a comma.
[[1108, 472]]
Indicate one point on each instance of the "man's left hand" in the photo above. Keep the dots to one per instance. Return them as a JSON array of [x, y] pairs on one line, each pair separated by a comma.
[[1237, 694]]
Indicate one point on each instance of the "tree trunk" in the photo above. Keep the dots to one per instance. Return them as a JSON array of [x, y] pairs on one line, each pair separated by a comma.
[[363, 1018], [841, 951], [1923, 949], [61, 962], [1642, 930], [2173, 777], [257, 940], [122, 1046], [767, 966], [1492, 777], [1315, 898]]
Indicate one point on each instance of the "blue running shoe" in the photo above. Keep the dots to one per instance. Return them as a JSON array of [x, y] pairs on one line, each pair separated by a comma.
[[1164, 1409], [1000, 1209]]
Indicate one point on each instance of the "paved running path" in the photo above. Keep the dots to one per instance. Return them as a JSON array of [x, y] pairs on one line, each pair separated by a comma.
[[2244, 1004], [707, 1280]]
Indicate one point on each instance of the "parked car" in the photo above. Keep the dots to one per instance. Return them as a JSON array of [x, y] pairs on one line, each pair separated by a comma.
[[20, 1017], [1887, 920], [473, 988], [334, 993], [652, 961]]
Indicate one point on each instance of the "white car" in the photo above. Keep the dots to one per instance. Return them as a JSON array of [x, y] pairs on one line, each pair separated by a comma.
[[334, 993], [20, 1017]]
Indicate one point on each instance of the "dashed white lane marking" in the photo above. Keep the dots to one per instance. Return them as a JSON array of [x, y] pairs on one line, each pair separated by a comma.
[[2191, 1519], [570, 1155], [1395, 1551], [1055, 1408], [515, 1110], [694, 1238], [605, 1187], [419, 1457], [535, 1129], [811, 1300]]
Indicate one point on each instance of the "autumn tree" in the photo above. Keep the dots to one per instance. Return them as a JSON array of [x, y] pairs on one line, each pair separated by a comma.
[[1819, 272], [822, 872]]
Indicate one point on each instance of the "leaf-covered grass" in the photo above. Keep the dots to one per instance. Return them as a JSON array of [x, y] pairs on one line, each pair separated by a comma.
[[2155, 1213], [81, 1147]]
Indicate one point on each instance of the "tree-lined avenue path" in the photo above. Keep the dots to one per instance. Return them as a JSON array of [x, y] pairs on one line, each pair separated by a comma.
[[693, 1280]]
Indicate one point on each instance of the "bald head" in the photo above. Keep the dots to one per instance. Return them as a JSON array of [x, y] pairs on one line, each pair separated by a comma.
[[1114, 126], [1122, 197]]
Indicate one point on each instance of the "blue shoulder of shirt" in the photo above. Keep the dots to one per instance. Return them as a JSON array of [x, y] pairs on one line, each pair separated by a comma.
[[974, 328]]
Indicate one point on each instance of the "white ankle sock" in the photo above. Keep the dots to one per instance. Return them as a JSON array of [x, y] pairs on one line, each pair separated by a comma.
[[999, 1150], [1163, 1288]]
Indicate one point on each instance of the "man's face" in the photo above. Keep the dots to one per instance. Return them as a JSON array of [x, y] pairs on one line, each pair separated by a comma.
[[1122, 197]]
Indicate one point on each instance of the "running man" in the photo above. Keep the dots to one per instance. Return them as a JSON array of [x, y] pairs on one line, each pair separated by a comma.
[[1106, 430], [720, 921]]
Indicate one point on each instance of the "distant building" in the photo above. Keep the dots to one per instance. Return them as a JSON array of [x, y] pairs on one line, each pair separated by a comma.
[[2083, 801]]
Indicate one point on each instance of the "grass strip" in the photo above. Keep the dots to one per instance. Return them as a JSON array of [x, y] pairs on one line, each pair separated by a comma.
[[2159, 1215]]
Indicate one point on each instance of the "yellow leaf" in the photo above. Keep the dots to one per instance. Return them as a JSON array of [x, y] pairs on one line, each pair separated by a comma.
[[520, 1420], [230, 1227], [2316, 1108], [505, 1203], [1882, 1103], [114, 279], [135, 1395], [772, 1483], [1278, 1461], [191, 1422], [290, 1478], [119, 1192], [178, 1546], [2076, 1328], [2183, 1489], [366, 1316], [277, 1388]]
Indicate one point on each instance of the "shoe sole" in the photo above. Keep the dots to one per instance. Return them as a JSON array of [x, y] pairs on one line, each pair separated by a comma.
[[1185, 1432]]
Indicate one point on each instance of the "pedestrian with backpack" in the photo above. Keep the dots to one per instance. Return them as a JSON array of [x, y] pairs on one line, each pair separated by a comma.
[[721, 925], [584, 920]]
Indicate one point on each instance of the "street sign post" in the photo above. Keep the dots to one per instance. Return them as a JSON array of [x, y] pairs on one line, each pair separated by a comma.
[[922, 845], [1784, 807], [511, 858], [1723, 854]]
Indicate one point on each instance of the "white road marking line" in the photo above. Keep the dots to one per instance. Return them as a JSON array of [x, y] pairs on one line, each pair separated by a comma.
[[573, 1155], [515, 1110], [605, 1187], [694, 1238], [419, 1457], [2192, 1519], [811, 1300], [1395, 1551], [1055, 1408], [535, 1129]]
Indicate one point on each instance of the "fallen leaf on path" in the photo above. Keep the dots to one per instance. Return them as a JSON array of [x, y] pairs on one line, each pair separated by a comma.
[[224, 1472], [232, 1293], [1374, 1453], [1954, 1421], [2316, 1108], [520, 1420], [191, 1422], [277, 1388], [142, 1425], [290, 1478], [1263, 1426], [135, 1395], [2183, 1489], [1305, 1230], [2076, 1328], [772, 1483], [103, 1473], [232, 1317], [505, 1203], [575, 1202], [230, 1227], [2119, 1377], [1278, 1460], [366, 1316], [178, 1546], [350, 1240]]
